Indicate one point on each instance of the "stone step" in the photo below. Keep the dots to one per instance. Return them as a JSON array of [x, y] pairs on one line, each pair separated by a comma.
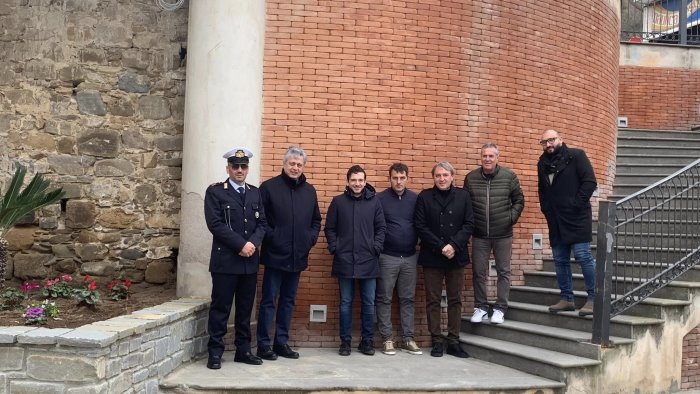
[[638, 178], [648, 168], [530, 359], [626, 326], [640, 269], [322, 370], [676, 290], [656, 159], [657, 135], [662, 148], [574, 342], [649, 307]]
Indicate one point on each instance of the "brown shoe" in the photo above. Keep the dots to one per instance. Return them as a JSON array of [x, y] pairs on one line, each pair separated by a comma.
[[562, 306], [586, 309]]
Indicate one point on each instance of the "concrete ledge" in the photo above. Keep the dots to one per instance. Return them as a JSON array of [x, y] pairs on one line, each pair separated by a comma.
[[129, 352]]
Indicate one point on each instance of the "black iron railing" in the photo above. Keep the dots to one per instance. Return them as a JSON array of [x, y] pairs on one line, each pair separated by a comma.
[[660, 21], [645, 241]]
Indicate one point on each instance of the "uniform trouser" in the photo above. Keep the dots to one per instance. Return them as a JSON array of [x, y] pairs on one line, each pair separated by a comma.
[[399, 272], [283, 284], [454, 281], [481, 251], [225, 288]]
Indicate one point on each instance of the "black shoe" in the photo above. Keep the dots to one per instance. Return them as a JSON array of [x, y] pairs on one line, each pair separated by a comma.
[[214, 362], [285, 351], [247, 358], [344, 348], [266, 353], [366, 347], [455, 349], [438, 349]]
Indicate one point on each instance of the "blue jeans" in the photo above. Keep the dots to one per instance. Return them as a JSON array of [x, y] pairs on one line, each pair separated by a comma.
[[562, 264], [283, 284], [368, 288]]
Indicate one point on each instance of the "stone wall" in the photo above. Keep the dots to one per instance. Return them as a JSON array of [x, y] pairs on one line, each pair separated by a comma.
[[124, 354], [92, 95]]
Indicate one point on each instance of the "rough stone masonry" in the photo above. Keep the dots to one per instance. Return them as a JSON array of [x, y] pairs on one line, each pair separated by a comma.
[[92, 95]]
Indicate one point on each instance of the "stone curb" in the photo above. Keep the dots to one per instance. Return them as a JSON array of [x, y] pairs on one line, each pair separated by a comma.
[[104, 333]]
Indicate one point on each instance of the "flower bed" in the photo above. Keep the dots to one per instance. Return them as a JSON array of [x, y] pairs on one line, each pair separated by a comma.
[[130, 352]]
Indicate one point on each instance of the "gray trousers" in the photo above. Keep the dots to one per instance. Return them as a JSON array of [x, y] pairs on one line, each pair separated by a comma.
[[399, 272], [481, 251]]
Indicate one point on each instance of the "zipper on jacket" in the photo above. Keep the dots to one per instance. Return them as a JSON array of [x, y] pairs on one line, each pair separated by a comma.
[[488, 208]]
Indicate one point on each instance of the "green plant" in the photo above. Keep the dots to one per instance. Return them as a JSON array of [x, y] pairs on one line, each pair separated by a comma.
[[59, 287], [11, 298], [88, 295], [119, 289], [18, 202]]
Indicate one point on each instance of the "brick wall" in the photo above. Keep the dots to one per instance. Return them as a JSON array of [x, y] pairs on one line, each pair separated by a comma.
[[660, 98], [370, 83], [690, 364]]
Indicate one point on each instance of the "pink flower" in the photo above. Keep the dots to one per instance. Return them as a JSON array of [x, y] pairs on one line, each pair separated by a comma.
[[86, 279], [92, 286], [66, 278]]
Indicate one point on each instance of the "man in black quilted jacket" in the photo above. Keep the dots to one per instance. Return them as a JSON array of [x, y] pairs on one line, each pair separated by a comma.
[[497, 201]]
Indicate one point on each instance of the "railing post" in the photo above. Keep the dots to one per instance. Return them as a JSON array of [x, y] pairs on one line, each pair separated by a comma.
[[683, 22], [603, 276]]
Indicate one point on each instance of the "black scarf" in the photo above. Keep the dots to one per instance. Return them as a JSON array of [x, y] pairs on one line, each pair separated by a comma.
[[555, 161]]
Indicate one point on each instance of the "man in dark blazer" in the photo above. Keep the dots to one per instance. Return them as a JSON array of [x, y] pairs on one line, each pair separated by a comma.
[[566, 182], [444, 221], [294, 221], [235, 216]]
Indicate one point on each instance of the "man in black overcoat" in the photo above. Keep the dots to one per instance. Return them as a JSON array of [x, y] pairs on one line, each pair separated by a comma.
[[566, 182]]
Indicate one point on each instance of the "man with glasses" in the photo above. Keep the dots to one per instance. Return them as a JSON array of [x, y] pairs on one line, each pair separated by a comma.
[[294, 221], [566, 182], [235, 216]]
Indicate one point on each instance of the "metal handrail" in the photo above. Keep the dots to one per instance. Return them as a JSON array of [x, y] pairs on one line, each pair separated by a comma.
[[645, 240]]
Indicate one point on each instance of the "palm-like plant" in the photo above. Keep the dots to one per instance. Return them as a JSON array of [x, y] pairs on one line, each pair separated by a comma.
[[18, 203]]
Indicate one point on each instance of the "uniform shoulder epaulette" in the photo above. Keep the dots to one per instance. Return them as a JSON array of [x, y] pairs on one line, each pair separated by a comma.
[[215, 184]]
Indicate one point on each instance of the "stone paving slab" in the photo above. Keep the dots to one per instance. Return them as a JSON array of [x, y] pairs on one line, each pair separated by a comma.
[[42, 336], [324, 369]]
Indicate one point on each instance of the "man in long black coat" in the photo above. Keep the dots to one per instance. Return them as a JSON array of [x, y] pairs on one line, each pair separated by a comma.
[[294, 221], [235, 216], [444, 219], [566, 182]]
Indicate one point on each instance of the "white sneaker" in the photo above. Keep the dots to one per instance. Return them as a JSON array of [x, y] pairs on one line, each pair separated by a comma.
[[497, 317], [479, 315]]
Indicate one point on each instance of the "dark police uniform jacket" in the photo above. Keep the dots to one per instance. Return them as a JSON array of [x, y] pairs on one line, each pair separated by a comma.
[[233, 223]]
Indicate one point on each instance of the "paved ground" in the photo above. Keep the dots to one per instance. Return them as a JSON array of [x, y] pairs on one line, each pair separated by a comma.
[[324, 369]]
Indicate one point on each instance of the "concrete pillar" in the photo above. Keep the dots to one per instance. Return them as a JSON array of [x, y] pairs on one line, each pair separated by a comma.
[[223, 109]]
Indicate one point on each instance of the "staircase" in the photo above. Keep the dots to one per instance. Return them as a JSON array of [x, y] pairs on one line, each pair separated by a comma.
[[647, 338]]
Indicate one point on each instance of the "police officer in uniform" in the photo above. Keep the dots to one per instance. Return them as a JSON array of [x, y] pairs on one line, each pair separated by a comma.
[[234, 214]]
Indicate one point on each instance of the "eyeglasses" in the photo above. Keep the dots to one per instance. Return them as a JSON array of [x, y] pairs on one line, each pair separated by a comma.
[[548, 141], [237, 166]]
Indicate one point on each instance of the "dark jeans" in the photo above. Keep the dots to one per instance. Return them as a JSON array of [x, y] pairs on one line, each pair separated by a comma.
[[224, 289], [283, 284], [454, 281], [562, 263], [368, 288], [481, 251], [399, 272]]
